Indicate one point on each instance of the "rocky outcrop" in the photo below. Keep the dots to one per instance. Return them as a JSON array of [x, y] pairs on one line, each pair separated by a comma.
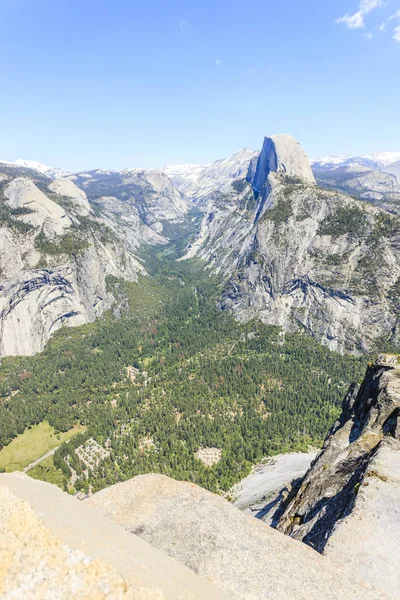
[[347, 505], [301, 257], [65, 187], [238, 554], [36, 209], [52, 546], [280, 154]]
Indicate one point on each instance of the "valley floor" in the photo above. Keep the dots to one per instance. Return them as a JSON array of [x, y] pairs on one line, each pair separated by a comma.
[[166, 375]]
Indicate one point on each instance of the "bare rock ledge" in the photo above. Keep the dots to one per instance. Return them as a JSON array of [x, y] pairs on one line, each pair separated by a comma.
[[54, 547]]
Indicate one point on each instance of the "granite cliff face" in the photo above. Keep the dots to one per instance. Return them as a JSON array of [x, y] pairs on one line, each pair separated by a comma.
[[288, 252], [54, 260], [57, 249], [280, 154], [301, 257], [347, 504]]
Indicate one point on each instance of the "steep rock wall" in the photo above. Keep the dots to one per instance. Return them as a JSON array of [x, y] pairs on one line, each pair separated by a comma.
[[347, 504], [302, 257]]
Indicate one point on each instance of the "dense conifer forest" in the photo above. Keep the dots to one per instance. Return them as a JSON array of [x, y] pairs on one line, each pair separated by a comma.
[[164, 373]]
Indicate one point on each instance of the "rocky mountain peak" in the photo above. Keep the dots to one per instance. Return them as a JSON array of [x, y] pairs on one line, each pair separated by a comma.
[[77, 197], [280, 153], [35, 207]]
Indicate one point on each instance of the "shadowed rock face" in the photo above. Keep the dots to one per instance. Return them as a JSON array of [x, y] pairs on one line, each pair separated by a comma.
[[347, 504], [280, 154]]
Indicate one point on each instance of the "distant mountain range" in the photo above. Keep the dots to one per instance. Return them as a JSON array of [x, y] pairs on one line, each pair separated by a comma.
[[187, 176], [372, 177], [382, 161], [34, 165], [289, 248]]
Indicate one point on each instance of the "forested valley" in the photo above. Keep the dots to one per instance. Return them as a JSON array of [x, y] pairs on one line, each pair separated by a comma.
[[165, 373]]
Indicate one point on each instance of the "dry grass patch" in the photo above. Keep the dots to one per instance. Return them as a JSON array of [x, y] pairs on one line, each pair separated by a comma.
[[209, 456]]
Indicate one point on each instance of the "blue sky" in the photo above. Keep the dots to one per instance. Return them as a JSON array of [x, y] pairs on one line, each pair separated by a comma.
[[121, 83]]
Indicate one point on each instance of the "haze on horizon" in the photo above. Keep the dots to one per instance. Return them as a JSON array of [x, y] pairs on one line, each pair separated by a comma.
[[95, 85]]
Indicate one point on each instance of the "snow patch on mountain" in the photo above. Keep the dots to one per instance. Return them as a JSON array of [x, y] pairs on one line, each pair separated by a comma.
[[379, 160], [386, 158], [52, 172]]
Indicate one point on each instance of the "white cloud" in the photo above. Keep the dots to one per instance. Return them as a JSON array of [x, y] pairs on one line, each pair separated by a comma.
[[357, 20], [396, 30], [218, 62], [367, 5], [183, 24], [353, 21]]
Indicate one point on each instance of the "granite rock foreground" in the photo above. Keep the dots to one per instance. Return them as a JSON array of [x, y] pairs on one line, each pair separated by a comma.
[[54, 547], [237, 553], [153, 537]]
